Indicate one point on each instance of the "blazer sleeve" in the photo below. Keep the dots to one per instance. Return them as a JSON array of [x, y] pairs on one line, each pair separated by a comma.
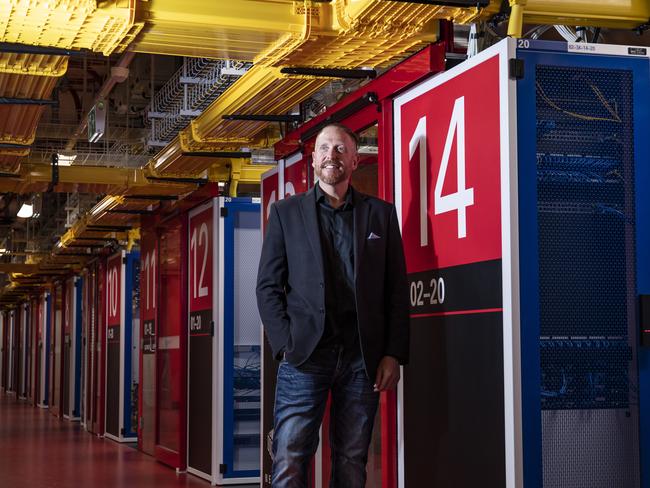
[[396, 294], [271, 281]]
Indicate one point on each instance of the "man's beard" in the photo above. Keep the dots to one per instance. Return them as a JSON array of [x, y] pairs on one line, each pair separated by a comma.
[[331, 178]]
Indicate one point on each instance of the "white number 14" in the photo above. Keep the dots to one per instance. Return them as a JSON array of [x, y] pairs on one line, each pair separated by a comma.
[[462, 197]]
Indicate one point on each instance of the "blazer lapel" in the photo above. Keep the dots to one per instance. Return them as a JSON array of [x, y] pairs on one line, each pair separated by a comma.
[[310, 219], [361, 218]]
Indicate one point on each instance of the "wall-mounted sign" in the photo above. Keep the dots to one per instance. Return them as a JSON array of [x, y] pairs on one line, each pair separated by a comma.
[[97, 121]]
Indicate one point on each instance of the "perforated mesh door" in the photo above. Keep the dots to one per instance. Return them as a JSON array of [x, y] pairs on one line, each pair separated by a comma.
[[585, 183], [247, 244]]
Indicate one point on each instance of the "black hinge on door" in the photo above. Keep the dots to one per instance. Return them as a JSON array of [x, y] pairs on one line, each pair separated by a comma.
[[516, 68], [223, 468], [212, 328], [223, 211], [644, 319]]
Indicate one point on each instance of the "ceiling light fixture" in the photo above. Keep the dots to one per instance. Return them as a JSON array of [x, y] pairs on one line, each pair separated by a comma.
[[101, 206], [26, 211], [66, 160]]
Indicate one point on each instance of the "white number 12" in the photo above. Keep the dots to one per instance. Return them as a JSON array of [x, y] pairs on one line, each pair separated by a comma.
[[203, 237], [463, 197]]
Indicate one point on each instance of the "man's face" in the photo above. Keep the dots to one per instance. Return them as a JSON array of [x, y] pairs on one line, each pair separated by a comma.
[[335, 156]]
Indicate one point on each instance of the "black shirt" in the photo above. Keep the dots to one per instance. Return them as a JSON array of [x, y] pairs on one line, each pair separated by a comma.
[[337, 242]]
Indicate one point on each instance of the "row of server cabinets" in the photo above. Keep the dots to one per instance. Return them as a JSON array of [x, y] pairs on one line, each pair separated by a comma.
[[159, 346], [40, 350], [519, 179]]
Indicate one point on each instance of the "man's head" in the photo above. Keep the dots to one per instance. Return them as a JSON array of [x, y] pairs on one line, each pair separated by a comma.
[[335, 154]]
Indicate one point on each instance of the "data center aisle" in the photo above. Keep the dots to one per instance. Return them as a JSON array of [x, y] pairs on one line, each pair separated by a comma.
[[38, 450]]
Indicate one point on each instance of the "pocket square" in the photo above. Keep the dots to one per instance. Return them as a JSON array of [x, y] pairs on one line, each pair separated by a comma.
[[372, 235]]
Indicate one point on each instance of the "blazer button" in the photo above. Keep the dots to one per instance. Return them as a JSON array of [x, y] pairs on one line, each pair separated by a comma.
[[322, 284], [322, 310]]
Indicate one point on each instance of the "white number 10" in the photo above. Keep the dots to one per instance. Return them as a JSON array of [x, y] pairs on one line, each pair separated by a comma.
[[463, 197]]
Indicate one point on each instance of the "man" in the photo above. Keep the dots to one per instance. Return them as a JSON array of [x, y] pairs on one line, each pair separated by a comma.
[[333, 296]]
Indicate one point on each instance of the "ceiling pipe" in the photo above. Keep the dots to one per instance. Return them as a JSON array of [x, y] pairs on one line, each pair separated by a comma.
[[119, 73], [8, 47]]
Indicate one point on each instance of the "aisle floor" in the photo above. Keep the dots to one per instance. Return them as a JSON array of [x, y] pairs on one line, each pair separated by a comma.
[[38, 450]]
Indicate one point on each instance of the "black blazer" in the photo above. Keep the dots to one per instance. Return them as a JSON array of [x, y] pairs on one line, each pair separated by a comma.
[[291, 288]]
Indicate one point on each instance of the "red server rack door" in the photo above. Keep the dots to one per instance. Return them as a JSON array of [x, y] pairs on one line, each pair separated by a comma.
[[72, 368], [450, 164], [67, 346], [200, 342], [6, 379], [171, 345], [23, 310], [85, 349], [114, 296], [18, 367], [148, 308], [90, 318], [101, 346], [41, 350], [5, 345], [31, 360], [97, 347], [29, 335], [13, 350], [50, 359], [269, 192], [56, 351], [9, 341], [6, 348], [18, 358], [32, 394], [24, 349], [93, 338], [3, 349]]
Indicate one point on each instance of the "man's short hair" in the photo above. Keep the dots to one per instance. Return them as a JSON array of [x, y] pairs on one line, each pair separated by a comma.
[[353, 135]]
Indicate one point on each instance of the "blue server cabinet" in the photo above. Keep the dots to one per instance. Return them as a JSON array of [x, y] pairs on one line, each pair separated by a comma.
[[583, 133], [242, 350]]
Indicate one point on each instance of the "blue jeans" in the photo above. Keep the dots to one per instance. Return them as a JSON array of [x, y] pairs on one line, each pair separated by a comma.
[[300, 399]]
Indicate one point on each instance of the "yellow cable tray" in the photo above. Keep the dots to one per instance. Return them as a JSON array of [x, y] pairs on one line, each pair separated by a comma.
[[33, 64], [69, 24]]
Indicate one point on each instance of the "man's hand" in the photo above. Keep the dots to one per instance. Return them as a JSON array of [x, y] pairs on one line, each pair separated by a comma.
[[387, 374]]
